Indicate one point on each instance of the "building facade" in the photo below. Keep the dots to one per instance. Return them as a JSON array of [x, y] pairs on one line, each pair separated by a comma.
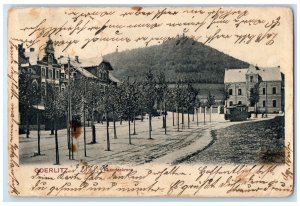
[[266, 84], [58, 72]]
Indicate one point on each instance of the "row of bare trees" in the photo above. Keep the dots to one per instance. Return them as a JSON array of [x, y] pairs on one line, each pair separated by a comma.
[[93, 101]]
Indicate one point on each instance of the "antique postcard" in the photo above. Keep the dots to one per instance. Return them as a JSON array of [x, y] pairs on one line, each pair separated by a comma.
[[150, 101]]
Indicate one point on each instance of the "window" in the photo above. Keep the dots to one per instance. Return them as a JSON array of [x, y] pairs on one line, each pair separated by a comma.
[[251, 78], [50, 73], [239, 102], [57, 74], [274, 90], [230, 103], [50, 59], [43, 72], [274, 103], [264, 103], [63, 87], [264, 90], [34, 84], [43, 89], [230, 91], [239, 91]]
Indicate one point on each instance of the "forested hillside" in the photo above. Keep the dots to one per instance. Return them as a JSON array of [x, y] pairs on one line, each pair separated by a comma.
[[182, 58]]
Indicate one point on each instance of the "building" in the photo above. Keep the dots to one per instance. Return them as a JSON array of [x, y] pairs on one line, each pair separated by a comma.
[[50, 70], [241, 84]]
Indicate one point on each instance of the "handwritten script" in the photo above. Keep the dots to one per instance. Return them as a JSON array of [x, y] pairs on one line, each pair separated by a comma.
[[171, 181], [149, 26]]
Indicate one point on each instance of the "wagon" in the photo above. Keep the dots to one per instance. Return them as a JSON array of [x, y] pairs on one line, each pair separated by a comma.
[[237, 113]]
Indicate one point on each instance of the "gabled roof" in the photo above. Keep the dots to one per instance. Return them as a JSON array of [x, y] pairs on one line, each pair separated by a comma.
[[91, 62], [77, 66], [235, 75], [266, 73], [239, 75]]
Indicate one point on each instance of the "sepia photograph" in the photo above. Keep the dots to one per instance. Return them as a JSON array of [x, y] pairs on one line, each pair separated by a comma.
[[150, 101]]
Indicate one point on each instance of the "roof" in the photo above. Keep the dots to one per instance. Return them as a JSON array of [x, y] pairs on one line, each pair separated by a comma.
[[266, 73], [90, 62], [77, 65], [235, 75], [239, 75], [33, 57]]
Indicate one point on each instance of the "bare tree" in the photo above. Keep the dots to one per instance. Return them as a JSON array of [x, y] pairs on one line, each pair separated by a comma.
[[150, 96], [253, 97], [210, 102], [29, 95], [54, 109], [190, 100], [162, 92]]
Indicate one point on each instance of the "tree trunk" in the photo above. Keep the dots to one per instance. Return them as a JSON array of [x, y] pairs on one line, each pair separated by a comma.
[[150, 127], [182, 118], [27, 124], [114, 122], [56, 145], [107, 132], [165, 113], [188, 120], [72, 145], [134, 132], [193, 114], [93, 128], [204, 115], [38, 133], [197, 110], [84, 133], [68, 134], [255, 108], [210, 114], [177, 119], [129, 135], [173, 118], [93, 134], [52, 129]]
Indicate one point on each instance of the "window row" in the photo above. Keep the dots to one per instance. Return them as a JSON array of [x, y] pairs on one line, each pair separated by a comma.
[[55, 74], [274, 103], [239, 91]]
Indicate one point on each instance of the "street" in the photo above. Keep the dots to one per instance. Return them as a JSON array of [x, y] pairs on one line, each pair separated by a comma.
[[161, 149]]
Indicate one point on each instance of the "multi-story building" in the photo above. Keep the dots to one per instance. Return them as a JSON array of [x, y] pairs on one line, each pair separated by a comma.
[[267, 81], [58, 72]]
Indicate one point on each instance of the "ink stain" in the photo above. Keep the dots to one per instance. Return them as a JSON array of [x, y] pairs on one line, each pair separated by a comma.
[[34, 12], [76, 132], [74, 148], [137, 8], [76, 128]]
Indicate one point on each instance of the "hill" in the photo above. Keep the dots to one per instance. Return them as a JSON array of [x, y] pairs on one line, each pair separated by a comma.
[[181, 58]]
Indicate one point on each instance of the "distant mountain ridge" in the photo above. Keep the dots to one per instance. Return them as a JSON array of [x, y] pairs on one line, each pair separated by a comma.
[[180, 59]]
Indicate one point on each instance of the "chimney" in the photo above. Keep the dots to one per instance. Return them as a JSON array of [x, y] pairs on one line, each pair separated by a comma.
[[77, 59], [31, 49]]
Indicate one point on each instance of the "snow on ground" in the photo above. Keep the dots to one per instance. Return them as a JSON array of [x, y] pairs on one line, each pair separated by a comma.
[[161, 149]]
